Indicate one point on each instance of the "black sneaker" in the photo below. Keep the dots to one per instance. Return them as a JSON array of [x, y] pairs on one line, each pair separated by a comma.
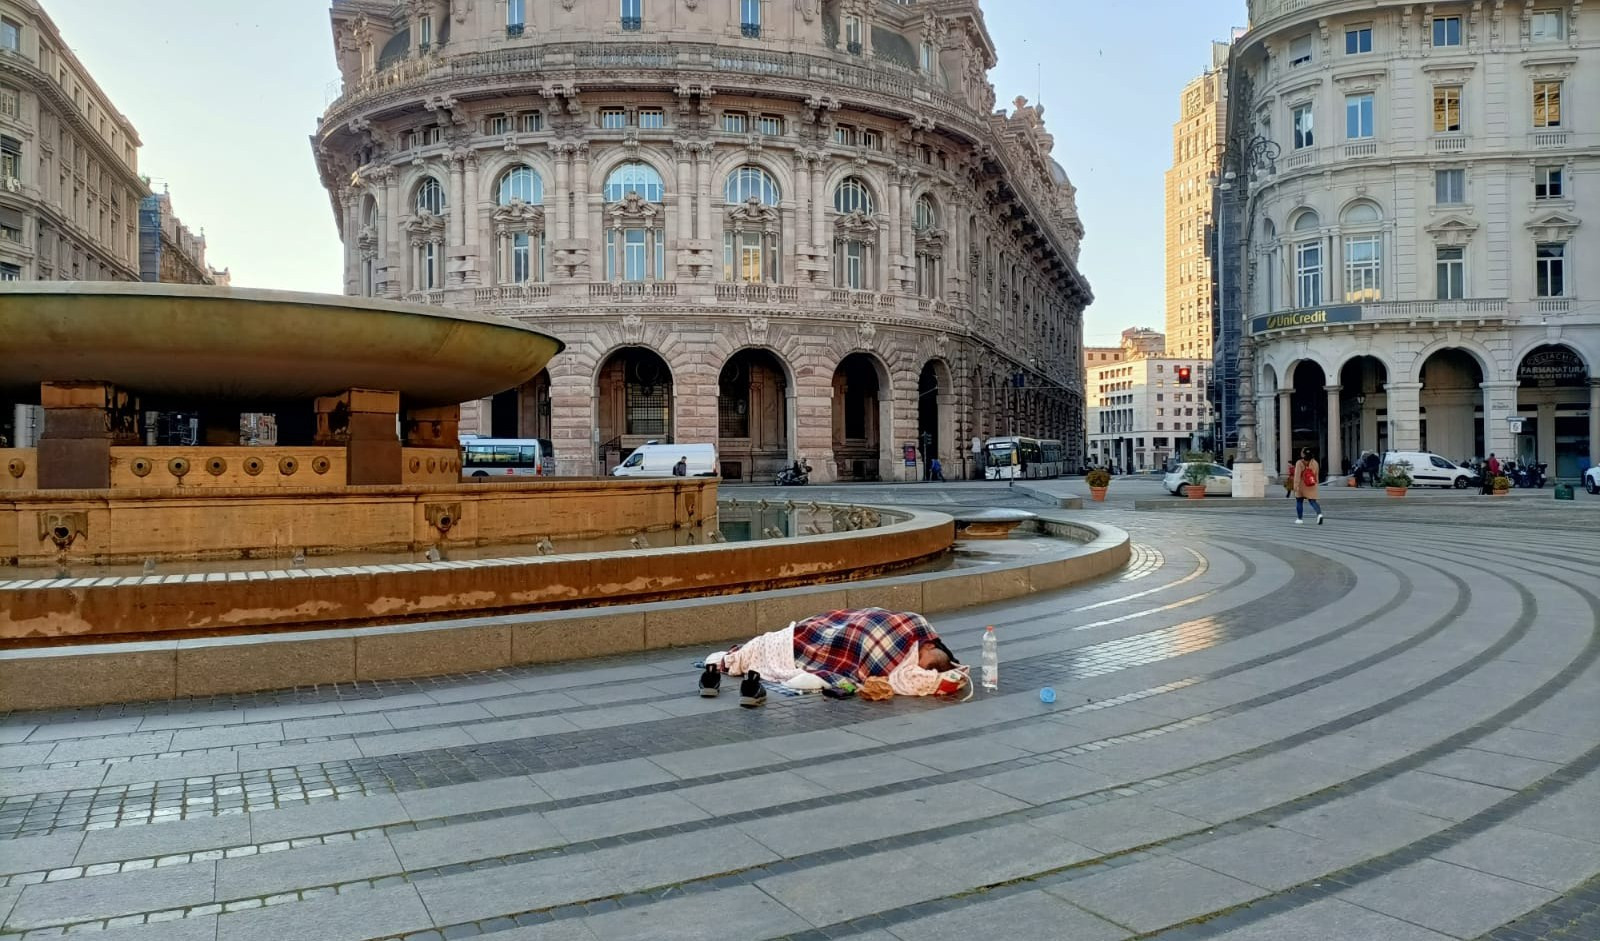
[[751, 692], [710, 682]]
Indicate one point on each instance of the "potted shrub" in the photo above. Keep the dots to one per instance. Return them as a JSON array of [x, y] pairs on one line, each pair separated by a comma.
[[1196, 475], [1098, 480], [1501, 485], [1396, 478]]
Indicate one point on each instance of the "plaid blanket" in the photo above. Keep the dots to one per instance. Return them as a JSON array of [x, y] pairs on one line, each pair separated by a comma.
[[858, 643]]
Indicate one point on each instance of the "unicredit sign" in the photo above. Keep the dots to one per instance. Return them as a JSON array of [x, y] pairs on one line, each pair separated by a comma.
[[1310, 317]]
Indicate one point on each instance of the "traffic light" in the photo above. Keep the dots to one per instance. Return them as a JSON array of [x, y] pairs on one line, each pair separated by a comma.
[[1183, 375]]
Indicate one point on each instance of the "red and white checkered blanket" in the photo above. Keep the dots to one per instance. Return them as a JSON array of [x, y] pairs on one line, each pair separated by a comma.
[[860, 642]]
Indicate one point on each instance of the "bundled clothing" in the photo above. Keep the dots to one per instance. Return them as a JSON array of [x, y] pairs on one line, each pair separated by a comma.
[[851, 644]]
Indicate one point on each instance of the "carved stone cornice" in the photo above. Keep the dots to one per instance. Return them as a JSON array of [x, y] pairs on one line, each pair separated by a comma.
[[517, 216]]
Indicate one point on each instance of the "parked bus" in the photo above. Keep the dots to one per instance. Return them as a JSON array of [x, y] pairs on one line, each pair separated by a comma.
[[1023, 458], [507, 457]]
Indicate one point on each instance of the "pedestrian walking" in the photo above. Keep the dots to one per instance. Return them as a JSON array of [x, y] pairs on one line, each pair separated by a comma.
[[1371, 461], [935, 470], [1306, 475]]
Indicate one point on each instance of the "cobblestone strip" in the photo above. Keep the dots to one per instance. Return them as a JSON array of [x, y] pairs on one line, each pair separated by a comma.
[[1574, 916]]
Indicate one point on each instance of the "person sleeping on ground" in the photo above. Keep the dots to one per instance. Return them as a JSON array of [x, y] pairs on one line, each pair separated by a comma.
[[857, 644]]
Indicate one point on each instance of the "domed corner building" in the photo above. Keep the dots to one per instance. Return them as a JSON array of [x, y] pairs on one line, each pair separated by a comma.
[[799, 230], [1424, 227]]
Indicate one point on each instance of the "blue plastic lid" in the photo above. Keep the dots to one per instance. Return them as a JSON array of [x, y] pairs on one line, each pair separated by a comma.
[[1047, 695]]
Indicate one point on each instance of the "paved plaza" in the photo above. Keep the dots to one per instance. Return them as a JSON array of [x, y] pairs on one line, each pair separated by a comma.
[[1384, 728]]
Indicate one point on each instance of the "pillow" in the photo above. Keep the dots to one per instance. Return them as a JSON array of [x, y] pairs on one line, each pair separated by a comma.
[[804, 682]]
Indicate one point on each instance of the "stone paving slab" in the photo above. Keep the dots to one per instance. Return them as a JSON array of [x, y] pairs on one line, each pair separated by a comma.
[[1260, 733]]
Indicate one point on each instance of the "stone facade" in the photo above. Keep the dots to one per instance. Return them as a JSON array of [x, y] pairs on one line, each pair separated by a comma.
[[169, 252], [1420, 228], [1146, 406], [800, 230], [1197, 144]]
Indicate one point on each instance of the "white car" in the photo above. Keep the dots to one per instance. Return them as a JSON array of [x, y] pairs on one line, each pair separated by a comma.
[[1218, 484], [1591, 479]]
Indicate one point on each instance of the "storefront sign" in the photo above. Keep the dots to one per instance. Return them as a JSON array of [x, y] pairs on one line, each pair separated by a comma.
[[1310, 317], [1552, 366]]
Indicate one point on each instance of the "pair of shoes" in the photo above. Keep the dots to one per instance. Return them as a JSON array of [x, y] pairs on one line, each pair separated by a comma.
[[1299, 522], [710, 681], [751, 692], [1319, 519]]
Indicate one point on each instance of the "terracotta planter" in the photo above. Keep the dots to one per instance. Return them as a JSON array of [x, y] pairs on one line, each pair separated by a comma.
[[1194, 493], [1097, 494], [1349, 481], [1395, 491], [1503, 493]]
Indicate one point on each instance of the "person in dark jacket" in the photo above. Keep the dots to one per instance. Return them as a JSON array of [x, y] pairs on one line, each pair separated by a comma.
[[681, 469]]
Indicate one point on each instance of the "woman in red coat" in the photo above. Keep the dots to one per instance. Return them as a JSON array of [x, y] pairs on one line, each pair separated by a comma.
[[1306, 474]]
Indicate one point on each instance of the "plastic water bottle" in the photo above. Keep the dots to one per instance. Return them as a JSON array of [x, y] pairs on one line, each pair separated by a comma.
[[991, 659]]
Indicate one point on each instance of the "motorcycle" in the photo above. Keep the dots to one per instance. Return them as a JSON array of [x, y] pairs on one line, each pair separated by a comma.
[[789, 478]]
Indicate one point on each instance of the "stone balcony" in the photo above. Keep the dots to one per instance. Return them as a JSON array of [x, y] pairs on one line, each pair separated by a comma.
[[1265, 11]]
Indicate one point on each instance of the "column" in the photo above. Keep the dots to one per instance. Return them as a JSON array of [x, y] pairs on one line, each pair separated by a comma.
[[684, 190], [1266, 431], [82, 422], [1594, 422], [472, 238], [895, 235], [1405, 415], [580, 192], [908, 238], [394, 240], [1285, 431], [820, 243], [1335, 466], [703, 154], [458, 205], [1499, 403], [561, 202], [1546, 442], [801, 197]]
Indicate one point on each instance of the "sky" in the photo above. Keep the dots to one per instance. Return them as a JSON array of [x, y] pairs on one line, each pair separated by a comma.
[[225, 95]]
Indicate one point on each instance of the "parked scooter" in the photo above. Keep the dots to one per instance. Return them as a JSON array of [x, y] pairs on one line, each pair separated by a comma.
[[797, 476]]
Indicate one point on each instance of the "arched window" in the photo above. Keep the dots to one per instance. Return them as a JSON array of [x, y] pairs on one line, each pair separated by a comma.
[[1362, 236], [1308, 260], [521, 183], [750, 239], [634, 177], [751, 181], [852, 195], [518, 229], [926, 217], [430, 197]]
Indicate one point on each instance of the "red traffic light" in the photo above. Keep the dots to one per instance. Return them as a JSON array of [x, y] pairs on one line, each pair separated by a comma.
[[1183, 375]]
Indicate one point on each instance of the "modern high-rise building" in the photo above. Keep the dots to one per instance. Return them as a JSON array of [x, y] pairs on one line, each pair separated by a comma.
[[1197, 144], [1413, 220], [795, 230]]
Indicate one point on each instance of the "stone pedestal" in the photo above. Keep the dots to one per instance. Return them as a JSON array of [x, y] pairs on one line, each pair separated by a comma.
[[364, 421], [433, 427], [82, 420], [1249, 479]]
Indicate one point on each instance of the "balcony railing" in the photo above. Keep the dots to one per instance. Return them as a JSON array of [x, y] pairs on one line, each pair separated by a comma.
[[1453, 144], [632, 290], [1547, 139], [1365, 148], [511, 294], [435, 298], [1299, 159], [632, 23], [1553, 305], [514, 30], [750, 30], [1262, 11]]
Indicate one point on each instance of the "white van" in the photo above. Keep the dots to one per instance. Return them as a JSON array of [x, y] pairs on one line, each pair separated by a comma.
[[1431, 470], [657, 460]]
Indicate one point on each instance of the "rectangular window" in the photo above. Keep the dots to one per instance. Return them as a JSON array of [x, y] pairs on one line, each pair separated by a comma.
[[1308, 274], [632, 14], [872, 140], [10, 159], [1447, 31], [1301, 119], [1545, 26], [499, 124], [9, 102], [10, 37], [1300, 50], [425, 33], [652, 119], [1550, 269], [1446, 109], [844, 134], [1547, 183], [633, 255], [9, 272], [430, 265], [1450, 269], [927, 58], [530, 121], [1546, 104], [770, 125], [613, 118], [1357, 41], [1358, 117], [516, 16], [735, 122], [852, 34], [750, 18], [1449, 187]]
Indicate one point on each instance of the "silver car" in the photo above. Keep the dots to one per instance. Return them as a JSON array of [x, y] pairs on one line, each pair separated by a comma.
[[1219, 483]]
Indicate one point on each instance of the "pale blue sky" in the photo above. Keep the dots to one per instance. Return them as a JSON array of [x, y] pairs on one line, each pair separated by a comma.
[[225, 94]]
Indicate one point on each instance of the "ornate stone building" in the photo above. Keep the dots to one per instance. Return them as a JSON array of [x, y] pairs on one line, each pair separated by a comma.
[[1416, 209], [798, 229]]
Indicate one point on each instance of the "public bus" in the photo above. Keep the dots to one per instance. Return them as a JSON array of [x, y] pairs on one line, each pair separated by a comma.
[[507, 457], [1023, 458]]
